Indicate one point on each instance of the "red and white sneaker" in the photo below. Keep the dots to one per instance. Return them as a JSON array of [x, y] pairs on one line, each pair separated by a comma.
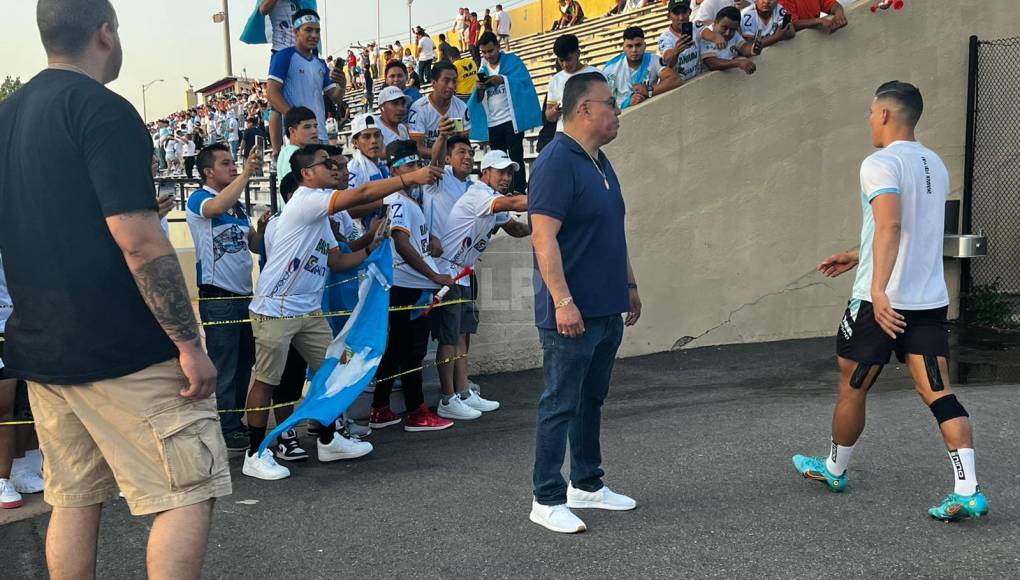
[[383, 417], [10, 498], [423, 419]]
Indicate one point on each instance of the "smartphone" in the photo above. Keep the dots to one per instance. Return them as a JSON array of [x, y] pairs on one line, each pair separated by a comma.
[[458, 124], [482, 77], [757, 42], [687, 29], [786, 20]]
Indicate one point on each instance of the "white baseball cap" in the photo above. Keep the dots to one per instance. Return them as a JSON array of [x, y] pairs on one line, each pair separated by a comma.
[[498, 160], [362, 122], [392, 93]]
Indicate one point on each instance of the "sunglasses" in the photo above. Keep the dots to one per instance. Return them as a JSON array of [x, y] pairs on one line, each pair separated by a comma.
[[327, 163]]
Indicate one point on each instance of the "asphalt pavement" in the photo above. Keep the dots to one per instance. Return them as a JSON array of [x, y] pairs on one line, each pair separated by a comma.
[[702, 440]]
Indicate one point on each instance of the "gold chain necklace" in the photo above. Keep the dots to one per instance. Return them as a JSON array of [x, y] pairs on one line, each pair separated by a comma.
[[598, 167]]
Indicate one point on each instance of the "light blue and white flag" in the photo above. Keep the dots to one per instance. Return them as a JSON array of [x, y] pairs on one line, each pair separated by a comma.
[[363, 340]]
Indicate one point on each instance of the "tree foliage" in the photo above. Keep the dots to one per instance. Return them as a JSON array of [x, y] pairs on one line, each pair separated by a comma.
[[9, 86]]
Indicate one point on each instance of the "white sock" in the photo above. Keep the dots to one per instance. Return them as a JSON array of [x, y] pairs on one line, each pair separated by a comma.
[[963, 470], [839, 458]]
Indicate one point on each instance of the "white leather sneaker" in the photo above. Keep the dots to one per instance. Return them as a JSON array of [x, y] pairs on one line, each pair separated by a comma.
[[476, 402], [557, 518], [263, 466], [603, 499], [457, 410], [342, 448]]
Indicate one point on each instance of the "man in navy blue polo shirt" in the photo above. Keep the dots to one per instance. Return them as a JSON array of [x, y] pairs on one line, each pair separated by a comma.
[[583, 283]]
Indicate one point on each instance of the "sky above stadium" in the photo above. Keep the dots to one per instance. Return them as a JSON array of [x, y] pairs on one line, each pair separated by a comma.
[[174, 39]]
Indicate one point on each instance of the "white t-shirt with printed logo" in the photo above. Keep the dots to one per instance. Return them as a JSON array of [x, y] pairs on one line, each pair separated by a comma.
[[688, 62], [407, 216], [423, 118], [439, 199], [469, 228], [389, 135], [298, 247], [281, 17], [730, 52], [496, 103], [222, 258], [917, 175], [751, 22]]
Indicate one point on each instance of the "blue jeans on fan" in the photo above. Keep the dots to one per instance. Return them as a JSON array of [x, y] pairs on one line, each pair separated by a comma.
[[231, 348], [577, 375]]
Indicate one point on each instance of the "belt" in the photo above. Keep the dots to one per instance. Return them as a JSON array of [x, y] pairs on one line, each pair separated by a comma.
[[210, 291]]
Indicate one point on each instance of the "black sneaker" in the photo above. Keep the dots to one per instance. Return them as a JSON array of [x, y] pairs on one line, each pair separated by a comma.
[[287, 447], [237, 442]]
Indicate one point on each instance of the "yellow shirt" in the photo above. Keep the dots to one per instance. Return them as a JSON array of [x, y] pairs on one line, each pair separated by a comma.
[[467, 72]]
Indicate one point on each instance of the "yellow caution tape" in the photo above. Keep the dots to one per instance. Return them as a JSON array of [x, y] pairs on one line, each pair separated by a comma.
[[291, 403], [334, 313]]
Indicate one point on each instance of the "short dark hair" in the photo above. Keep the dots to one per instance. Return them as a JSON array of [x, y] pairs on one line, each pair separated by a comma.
[[566, 45], [442, 37], [401, 148], [67, 26], [207, 158], [302, 158], [297, 115], [475, 14], [302, 13], [333, 150], [440, 66], [905, 95], [633, 32], [288, 185], [730, 12], [576, 88], [488, 37], [394, 64], [450, 142]]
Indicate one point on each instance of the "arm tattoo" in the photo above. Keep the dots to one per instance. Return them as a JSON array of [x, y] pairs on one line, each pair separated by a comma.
[[162, 286]]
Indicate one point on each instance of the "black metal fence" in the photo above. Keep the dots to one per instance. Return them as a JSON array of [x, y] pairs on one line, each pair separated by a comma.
[[991, 197]]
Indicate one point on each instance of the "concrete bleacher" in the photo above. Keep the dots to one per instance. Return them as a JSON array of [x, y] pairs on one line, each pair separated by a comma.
[[601, 40]]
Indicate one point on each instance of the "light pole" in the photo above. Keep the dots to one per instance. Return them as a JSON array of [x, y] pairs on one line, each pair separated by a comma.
[[223, 16], [145, 108], [410, 37]]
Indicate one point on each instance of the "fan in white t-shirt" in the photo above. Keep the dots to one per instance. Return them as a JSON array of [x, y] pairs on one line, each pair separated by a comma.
[[736, 52], [474, 218], [393, 104], [568, 52], [679, 45], [438, 114], [439, 198], [301, 248], [764, 20]]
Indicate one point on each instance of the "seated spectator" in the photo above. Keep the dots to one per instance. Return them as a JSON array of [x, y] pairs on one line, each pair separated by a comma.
[[737, 51], [446, 51], [567, 49], [708, 9], [764, 20], [808, 14], [393, 105], [395, 75], [571, 13], [635, 75], [623, 6], [677, 47]]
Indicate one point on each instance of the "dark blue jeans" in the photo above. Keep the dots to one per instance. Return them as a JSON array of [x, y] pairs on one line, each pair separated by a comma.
[[577, 375], [232, 350]]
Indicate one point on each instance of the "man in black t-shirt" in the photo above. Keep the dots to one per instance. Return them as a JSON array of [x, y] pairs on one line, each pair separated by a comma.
[[248, 136], [103, 329]]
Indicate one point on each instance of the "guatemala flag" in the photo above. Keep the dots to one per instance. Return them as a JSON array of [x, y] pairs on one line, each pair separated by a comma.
[[363, 339]]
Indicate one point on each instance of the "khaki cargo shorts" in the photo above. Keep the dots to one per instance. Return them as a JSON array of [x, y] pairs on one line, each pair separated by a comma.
[[134, 434], [274, 337]]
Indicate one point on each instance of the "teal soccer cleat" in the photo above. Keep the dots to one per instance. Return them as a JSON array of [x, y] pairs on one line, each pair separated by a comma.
[[958, 507], [814, 468]]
